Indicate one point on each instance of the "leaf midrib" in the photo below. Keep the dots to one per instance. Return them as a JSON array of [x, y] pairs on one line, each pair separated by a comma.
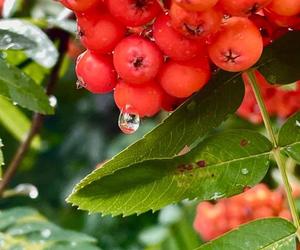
[[278, 241]]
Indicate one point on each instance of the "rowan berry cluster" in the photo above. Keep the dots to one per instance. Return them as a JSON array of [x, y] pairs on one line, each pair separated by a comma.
[[154, 54], [280, 101], [212, 220]]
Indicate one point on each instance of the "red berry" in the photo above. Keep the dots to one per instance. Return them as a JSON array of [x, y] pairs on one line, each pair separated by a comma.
[[196, 5], [195, 25], [79, 5], [282, 21], [134, 12], [285, 7], [174, 44], [143, 100], [242, 7], [137, 60], [183, 79], [99, 31], [265, 27], [237, 46], [96, 72]]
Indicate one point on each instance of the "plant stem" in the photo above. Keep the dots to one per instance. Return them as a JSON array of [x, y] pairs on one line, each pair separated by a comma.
[[276, 149], [37, 119]]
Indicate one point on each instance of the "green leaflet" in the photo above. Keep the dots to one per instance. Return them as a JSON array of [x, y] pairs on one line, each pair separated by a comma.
[[265, 234], [280, 61], [26, 229], [20, 88], [220, 166], [289, 137], [13, 41]]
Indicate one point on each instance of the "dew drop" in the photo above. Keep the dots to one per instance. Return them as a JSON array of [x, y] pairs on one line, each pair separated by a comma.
[[46, 233], [245, 171], [28, 190], [129, 123], [52, 101], [73, 244], [7, 39], [15, 103], [297, 123]]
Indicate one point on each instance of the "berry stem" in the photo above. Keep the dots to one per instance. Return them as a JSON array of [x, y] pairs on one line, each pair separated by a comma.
[[276, 149]]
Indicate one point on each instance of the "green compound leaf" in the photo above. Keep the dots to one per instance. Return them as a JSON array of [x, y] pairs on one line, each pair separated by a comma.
[[220, 166], [21, 89], [13, 41], [26, 229], [289, 137], [266, 234], [280, 61]]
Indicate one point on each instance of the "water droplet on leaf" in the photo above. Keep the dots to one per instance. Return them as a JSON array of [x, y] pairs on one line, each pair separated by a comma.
[[52, 101], [245, 171], [46, 233]]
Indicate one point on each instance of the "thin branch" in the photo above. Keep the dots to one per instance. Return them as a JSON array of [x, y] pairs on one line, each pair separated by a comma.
[[37, 119]]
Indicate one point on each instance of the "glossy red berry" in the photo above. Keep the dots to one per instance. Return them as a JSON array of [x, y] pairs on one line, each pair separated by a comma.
[[142, 100], [134, 12], [285, 7], [137, 60], [174, 44], [242, 7], [183, 79], [196, 5], [195, 24], [79, 5], [99, 31], [96, 72], [237, 46]]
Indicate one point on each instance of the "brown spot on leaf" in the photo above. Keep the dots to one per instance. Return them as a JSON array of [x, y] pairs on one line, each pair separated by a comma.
[[201, 164], [244, 142]]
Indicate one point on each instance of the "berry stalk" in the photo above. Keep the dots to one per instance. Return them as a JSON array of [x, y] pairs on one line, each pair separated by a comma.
[[276, 148]]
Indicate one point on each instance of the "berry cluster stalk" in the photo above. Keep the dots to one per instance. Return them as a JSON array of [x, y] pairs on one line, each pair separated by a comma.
[[276, 149]]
